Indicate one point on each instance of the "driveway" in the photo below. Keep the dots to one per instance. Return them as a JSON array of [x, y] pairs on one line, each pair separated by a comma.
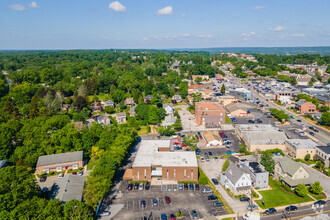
[[188, 120], [212, 169]]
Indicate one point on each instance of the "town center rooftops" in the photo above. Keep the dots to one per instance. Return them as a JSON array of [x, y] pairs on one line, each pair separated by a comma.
[[148, 155], [302, 143]]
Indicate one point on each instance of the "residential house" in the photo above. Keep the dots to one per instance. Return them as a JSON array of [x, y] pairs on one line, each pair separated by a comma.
[[60, 162], [259, 175], [212, 138], [227, 99], [3, 163], [203, 77], [236, 180], [236, 109], [65, 107], [195, 89], [147, 99], [207, 94], [103, 120], [305, 107], [209, 113], [169, 120], [299, 148], [290, 172], [176, 98], [109, 103], [154, 160], [96, 106], [323, 153], [129, 102], [169, 108], [303, 81], [70, 187], [121, 117], [132, 111], [175, 66]]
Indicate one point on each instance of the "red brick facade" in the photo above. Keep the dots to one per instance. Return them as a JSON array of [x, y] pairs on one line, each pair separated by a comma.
[[203, 109], [308, 107]]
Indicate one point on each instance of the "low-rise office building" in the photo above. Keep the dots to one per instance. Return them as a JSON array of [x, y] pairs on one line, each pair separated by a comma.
[[236, 110], [299, 148], [305, 107], [154, 160], [209, 112], [261, 137], [212, 138], [323, 153], [242, 93]]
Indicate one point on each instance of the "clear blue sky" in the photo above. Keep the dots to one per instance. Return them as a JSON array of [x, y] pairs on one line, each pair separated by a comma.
[[94, 24]]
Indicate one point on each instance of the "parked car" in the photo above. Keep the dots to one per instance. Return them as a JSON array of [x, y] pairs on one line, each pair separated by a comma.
[[270, 211], [43, 178], [197, 153], [253, 207], [74, 173], [186, 186], [215, 181], [212, 197], [311, 133], [312, 128], [180, 186], [61, 175], [298, 120], [80, 173], [130, 186], [194, 214], [147, 186], [210, 153], [143, 203], [155, 202], [191, 186], [104, 213], [197, 186], [207, 190], [244, 199], [207, 158], [291, 208], [217, 204], [317, 131], [216, 158], [141, 186], [320, 202], [163, 216], [202, 159], [136, 186], [167, 199], [172, 217]]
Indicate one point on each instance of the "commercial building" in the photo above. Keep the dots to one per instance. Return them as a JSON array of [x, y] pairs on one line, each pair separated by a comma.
[[60, 162], [236, 109], [260, 137], [227, 99], [212, 138], [299, 148], [209, 113], [242, 93], [305, 107], [154, 160], [290, 172], [323, 153]]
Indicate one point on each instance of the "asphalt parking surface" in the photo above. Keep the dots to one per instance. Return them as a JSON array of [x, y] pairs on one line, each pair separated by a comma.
[[183, 200], [254, 114]]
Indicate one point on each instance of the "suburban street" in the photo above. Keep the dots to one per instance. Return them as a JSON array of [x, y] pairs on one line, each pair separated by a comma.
[[322, 136]]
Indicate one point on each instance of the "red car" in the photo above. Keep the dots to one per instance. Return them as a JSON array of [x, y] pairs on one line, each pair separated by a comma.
[[173, 217], [167, 199], [222, 134]]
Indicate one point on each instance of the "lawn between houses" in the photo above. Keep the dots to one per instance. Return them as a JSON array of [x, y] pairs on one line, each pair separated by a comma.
[[279, 197]]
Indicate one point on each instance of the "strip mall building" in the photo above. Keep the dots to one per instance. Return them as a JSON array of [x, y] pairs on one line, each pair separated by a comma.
[[154, 160]]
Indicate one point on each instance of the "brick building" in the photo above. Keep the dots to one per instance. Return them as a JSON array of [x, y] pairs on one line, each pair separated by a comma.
[[209, 112], [305, 107], [155, 161], [60, 162]]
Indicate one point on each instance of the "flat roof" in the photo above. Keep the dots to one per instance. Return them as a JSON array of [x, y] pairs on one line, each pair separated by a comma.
[[302, 143], [208, 106], [148, 155]]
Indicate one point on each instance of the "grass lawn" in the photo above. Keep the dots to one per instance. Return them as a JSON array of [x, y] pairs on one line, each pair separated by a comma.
[[227, 119], [144, 130], [279, 197], [179, 103], [202, 179], [318, 197], [178, 109]]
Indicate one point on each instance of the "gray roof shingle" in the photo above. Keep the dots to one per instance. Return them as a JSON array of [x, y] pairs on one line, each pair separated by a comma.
[[60, 158], [234, 173], [68, 188]]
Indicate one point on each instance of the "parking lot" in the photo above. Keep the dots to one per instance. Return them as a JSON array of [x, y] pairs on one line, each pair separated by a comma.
[[222, 151], [254, 114], [183, 200]]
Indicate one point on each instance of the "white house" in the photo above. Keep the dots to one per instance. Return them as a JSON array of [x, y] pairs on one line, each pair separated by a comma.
[[169, 109], [103, 120], [212, 138], [236, 180]]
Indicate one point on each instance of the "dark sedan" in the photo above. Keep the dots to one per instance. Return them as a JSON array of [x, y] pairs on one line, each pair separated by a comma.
[[291, 208], [270, 211], [215, 181]]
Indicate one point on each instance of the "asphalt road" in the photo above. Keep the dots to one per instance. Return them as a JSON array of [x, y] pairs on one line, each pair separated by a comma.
[[322, 136], [300, 213]]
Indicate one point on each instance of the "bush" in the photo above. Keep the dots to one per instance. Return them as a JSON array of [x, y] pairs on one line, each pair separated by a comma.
[[307, 157], [319, 164], [301, 190], [316, 188]]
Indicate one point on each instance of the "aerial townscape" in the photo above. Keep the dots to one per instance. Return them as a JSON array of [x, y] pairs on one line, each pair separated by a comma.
[[167, 127]]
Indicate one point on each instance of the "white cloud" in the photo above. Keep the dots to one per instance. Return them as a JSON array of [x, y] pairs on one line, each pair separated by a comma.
[[258, 7], [17, 7], [165, 11], [117, 6], [186, 35], [145, 39], [277, 28], [183, 15], [207, 36], [34, 5], [248, 36], [298, 35]]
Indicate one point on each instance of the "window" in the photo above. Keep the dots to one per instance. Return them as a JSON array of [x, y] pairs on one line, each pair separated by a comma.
[[58, 169], [192, 173], [138, 174], [145, 174], [46, 170], [243, 178], [264, 181], [167, 174], [174, 174], [75, 166], [184, 174]]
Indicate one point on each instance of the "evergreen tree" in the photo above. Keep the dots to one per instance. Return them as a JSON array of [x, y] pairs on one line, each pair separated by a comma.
[[223, 89], [34, 108]]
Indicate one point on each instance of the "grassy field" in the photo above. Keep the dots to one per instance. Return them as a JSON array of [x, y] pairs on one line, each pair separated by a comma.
[[202, 179], [318, 197], [227, 119], [279, 197], [144, 130]]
